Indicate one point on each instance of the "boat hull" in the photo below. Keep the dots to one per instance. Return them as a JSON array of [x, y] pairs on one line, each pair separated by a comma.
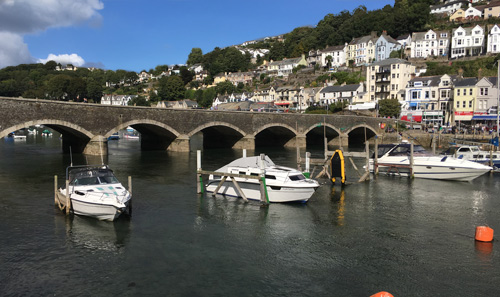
[[252, 191], [434, 169], [104, 212]]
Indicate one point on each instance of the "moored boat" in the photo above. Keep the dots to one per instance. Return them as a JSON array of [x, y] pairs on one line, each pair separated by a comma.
[[283, 184], [95, 191], [473, 153], [395, 159]]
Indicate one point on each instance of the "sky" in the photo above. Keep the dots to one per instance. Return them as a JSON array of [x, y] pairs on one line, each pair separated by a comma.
[[138, 35]]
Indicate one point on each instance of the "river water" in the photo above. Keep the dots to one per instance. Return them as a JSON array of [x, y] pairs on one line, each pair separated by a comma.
[[407, 237]]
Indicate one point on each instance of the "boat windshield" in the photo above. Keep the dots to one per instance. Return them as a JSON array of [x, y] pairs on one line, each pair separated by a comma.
[[297, 177], [405, 149], [92, 176]]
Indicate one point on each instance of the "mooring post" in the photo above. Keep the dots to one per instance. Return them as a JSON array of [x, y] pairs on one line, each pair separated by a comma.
[[67, 198], [244, 153], [199, 178], [411, 175], [264, 198], [130, 192], [367, 148], [299, 159], [55, 189], [433, 144], [375, 158], [307, 173]]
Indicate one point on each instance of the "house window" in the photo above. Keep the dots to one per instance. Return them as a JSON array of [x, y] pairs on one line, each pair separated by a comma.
[[443, 93], [464, 104], [458, 104], [373, 88], [470, 104], [433, 94], [426, 94], [393, 75], [458, 92], [485, 91], [481, 91], [414, 95]]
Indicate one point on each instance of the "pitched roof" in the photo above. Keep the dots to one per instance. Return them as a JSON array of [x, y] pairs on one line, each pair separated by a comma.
[[391, 61], [466, 82], [344, 88], [432, 81]]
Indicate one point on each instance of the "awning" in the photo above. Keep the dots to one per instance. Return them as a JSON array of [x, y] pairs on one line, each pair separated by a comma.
[[415, 118], [413, 104], [281, 103], [490, 117]]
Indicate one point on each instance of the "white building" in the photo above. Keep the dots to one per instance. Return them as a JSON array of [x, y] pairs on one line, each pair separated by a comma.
[[337, 53], [449, 7], [116, 99], [467, 42], [430, 43], [494, 40]]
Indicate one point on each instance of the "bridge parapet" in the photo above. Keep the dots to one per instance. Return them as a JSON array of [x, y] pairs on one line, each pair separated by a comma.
[[85, 125]]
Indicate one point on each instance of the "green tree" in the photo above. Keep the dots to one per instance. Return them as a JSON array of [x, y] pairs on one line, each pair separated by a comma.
[[139, 101], [186, 75], [195, 57], [225, 87], [207, 98], [94, 90], [389, 108], [171, 88], [77, 89], [57, 87]]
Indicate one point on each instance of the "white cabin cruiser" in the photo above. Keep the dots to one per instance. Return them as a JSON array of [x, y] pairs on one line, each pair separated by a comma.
[[95, 191], [283, 184], [392, 159], [473, 153]]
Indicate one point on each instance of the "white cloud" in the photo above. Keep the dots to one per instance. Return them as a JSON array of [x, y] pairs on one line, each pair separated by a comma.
[[20, 17], [13, 50], [28, 16], [64, 59]]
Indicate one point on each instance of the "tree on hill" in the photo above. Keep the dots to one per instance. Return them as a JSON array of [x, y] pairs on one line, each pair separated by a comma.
[[195, 57], [138, 101], [171, 88]]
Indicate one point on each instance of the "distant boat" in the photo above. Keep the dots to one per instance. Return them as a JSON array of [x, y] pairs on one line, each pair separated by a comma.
[[130, 136], [46, 133], [473, 153], [114, 136], [19, 137]]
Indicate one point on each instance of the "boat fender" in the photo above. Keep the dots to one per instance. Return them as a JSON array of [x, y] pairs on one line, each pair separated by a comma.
[[80, 193], [484, 234], [444, 158]]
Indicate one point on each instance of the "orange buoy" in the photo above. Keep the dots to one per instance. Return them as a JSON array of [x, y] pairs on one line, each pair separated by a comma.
[[484, 233], [382, 294]]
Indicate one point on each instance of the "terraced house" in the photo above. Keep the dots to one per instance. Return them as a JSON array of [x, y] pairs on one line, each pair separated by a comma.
[[465, 93], [430, 43], [467, 41]]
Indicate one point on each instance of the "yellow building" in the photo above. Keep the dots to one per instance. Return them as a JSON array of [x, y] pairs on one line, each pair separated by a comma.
[[458, 15], [464, 99]]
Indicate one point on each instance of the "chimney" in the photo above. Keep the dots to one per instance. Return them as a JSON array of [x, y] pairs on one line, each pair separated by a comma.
[[461, 73], [384, 32], [479, 73], [374, 34]]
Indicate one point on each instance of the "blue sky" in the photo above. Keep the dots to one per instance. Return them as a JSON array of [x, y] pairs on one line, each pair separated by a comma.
[[141, 34]]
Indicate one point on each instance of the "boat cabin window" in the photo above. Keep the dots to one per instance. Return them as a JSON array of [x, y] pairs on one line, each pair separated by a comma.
[[463, 149], [297, 177], [92, 177], [270, 177], [404, 150]]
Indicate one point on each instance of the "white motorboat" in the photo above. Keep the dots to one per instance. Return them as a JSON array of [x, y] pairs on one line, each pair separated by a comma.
[[283, 184], [95, 191], [395, 159], [473, 153]]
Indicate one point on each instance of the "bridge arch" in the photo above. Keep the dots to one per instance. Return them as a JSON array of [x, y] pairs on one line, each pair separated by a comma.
[[154, 135], [357, 134], [217, 134], [316, 133], [73, 136], [276, 134]]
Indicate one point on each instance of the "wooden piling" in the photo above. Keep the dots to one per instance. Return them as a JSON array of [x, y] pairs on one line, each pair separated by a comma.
[[199, 178], [307, 173], [375, 158], [411, 175], [238, 188], [130, 191], [55, 190], [68, 201], [223, 180], [264, 197]]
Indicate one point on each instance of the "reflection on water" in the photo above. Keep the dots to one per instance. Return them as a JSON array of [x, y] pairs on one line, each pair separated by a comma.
[[408, 237], [92, 234]]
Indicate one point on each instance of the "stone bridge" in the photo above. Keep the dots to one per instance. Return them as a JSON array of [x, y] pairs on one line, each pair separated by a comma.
[[86, 127]]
